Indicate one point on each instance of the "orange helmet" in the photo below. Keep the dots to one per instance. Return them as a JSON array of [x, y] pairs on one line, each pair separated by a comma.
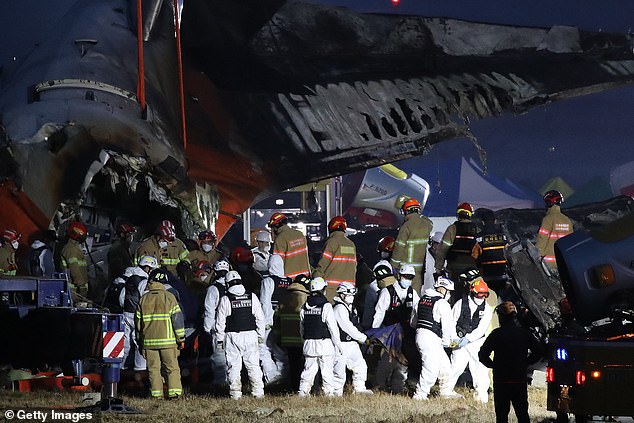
[[241, 255], [411, 206], [167, 230], [479, 288], [10, 235], [337, 223], [386, 244], [277, 219], [77, 231], [465, 208]]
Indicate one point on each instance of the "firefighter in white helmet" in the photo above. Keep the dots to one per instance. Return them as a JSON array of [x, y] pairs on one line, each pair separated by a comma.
[[320, 332], [262, 252], [215, 291], [435, 330], [351, 336], [240, 330]]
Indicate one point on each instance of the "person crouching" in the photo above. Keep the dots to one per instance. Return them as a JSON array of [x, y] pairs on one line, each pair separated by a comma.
[[239, 331]]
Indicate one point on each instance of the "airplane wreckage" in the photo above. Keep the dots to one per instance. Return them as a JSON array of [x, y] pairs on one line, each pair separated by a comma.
[[205, 113]]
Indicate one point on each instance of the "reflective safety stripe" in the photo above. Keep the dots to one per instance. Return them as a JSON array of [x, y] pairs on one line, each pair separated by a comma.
[[448, 244], [156, 393], [465, 237], [549, 258], [543, 231], [338, 281], [302, 272], [417, 241], [162, 342], [183, 256], [493, 248], [292, 339], [494, 262], [174, 391]]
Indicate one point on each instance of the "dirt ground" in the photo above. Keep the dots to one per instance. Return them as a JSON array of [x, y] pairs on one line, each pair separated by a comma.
[[291, 408]]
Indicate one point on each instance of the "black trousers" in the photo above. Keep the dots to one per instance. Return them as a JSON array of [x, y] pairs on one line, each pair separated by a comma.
[[505, 394]]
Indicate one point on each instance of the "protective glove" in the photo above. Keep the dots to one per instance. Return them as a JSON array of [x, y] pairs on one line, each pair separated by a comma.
[[463, 342], [220, 345]]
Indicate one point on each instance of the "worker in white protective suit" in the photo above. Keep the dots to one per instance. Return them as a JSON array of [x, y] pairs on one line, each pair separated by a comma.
[[262, 252], [240, 330], [351, 336], [473, 316], [320, 333], [430, 260], [435, 330], [383, 276], [215, 291], [272, 292]]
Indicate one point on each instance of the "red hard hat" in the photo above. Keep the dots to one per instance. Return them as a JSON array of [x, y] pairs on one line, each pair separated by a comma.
[[77, 231], [277, 219], [411, 205], [242, 255], [465, 208], [207, 236], [125, 229], [553, 197], [167, 230], [10, 235], [201, 267], [337, 223], [386, 244]]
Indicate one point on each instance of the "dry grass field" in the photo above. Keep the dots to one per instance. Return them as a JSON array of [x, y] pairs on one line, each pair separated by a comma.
[[291, 408]]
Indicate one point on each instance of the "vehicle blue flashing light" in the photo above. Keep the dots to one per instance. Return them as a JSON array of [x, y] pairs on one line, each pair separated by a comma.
[[562, 354]]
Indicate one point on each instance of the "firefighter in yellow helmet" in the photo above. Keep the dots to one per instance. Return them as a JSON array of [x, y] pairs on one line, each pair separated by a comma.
[[73, 258], [410, 247], [554, 225], [10, 244]]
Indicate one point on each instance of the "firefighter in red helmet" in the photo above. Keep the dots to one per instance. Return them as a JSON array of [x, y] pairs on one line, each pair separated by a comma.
[[10, 244], [554, 225], [385, 247], [207, 252], [291, 245], [169, 250], [73, 258], [338, 262]]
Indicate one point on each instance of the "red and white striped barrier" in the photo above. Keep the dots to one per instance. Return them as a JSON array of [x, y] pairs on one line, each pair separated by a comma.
[[112, 344]]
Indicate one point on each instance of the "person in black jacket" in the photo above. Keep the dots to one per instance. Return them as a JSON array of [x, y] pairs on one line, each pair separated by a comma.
[[514, 348]]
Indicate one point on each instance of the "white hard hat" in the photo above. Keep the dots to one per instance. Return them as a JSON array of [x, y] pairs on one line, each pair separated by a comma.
[[150, 261], [317, 284], [437, 237], [346, 288], [407, 269], [443, 282], [233, 278], [222, 265], [263, 236]]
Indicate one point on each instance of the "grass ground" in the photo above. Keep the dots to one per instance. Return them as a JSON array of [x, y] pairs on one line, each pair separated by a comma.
[[291, 408]]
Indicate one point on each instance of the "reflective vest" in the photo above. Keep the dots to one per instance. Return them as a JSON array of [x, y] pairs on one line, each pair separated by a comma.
[[241, 318], [467, 322], [280, 289], [425, 314], [463, 243], [399, 311], [314, 326], [492, 260]]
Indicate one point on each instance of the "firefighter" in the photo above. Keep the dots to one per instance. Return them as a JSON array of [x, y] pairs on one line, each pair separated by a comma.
[[215, 291], [207, 252], [492, 260], [242, 260], [410, 246], [239, 330], [457, 248], [73, 258], [262, 252], [288, 323], [351, 336], [320, 332], [514, 348], [201, 279], [555, 225], [430, 260], [385, 247], [41, 257], [338, 262], [274, 290], [435, 330], [473, 316], [169, 250], [136, 279], [291, 245], [119, 255], [383, 276], [394, 306], [160, 330], [10, 244]]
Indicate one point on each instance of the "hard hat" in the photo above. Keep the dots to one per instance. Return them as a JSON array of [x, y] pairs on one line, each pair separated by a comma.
[[233, 278], [150, 261], [337, 223], [346, 288], [263, 236], [479, 288], [407, 270], [207, 236], [10, 235], [553, 197], [158, 275], [465, 208], [125, 229], [507, 308], [241, 255], [221, 265], [411, 206], [77, 231], [386, 244], [167, 230], [201, 267], [317, 284], [382, 270], [443, 282], [469, 275], [436, 237], [277, 219]]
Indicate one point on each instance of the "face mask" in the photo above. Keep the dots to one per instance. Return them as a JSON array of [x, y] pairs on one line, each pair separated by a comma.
[[405, 283], [15, 244], [162, 244], [207, 247], [204, 277], [348, 299], [478, 301]]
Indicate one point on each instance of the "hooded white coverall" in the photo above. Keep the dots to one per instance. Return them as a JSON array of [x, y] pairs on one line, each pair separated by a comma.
[[218, 358], [129, 334], [241, 346], [468, 354], [351, 358], [436, 365]]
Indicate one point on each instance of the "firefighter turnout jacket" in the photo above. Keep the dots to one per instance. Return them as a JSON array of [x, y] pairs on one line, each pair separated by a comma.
[[168, 257], [74, 262], [457, 247], [554, 225], [159, 321], [492, 259], [199, 255], [291, 245], [410, 246], [7, 260], [288, 315], [338, 262]]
